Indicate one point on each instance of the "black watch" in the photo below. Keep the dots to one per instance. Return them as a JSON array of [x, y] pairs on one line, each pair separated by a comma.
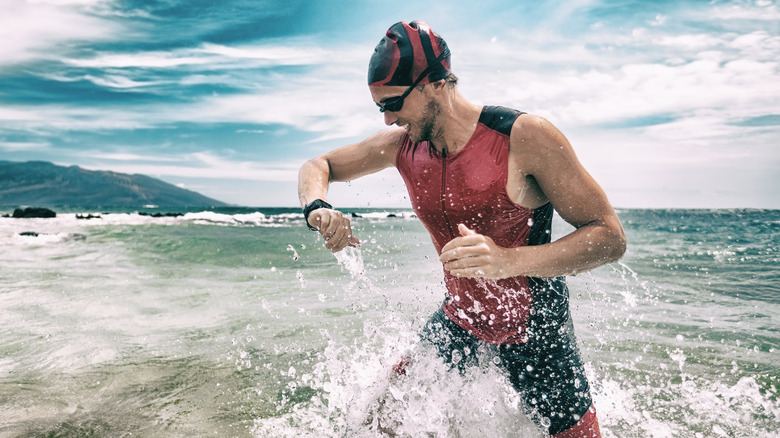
[[313, 205]]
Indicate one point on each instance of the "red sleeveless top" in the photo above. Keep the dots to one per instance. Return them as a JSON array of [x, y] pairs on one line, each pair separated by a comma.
[[470, 188]]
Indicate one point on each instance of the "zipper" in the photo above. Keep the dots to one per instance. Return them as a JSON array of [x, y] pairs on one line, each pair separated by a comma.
[[444, 192]]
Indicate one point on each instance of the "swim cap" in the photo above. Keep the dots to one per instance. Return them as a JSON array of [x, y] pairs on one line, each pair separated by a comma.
[[405, 51]]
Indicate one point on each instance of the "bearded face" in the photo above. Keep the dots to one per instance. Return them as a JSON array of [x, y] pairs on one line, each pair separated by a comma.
[[425, 128]]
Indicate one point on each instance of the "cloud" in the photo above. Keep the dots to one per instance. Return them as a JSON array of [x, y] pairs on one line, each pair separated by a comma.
[[659, 87], [337, 108], [142, 60], [209, 57], [313, 100], [51, 118], [31, 30], [331, 98], [318, 99], [291, 51], [124, 156], [761, 10], [600, 78], [203, 165], [23, 146]]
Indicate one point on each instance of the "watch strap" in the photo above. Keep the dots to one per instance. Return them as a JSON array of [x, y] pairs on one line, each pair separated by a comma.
[[313, 205]]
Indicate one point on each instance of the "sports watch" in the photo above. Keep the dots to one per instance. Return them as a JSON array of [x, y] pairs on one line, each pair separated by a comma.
[[313, 205]]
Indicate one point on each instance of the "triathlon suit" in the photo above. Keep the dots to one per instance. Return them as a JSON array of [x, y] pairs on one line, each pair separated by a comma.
[[521, 323]]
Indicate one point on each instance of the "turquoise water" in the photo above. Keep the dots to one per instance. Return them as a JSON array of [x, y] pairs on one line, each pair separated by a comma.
[[238, 323]]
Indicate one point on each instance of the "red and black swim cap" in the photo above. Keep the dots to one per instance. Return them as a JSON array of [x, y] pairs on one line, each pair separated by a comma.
[[405, 52]]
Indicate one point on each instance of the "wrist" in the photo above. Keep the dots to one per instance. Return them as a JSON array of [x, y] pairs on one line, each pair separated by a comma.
[[313, 205], [514, 262]]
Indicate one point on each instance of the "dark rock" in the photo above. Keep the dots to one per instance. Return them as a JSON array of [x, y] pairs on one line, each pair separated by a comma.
[[29, 233], [144, 213], [34, 212], [88, 216]]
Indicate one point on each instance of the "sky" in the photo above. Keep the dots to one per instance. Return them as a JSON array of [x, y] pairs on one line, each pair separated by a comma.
[[668, 104]]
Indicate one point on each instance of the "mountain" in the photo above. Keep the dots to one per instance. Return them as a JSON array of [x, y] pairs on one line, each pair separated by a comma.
[[45, 184]]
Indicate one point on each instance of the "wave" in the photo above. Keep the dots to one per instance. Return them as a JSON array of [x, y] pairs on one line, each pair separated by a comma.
[[71, 226]]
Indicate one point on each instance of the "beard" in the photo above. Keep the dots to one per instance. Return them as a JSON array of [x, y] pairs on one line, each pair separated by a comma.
[[427, 124]]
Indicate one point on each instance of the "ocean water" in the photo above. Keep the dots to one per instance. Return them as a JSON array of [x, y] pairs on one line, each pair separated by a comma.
[[238, 323]]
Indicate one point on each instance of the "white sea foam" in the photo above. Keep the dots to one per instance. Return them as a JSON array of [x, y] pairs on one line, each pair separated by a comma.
[[361, 396], [53, 230], [131, 326], [351, 259], [711, 408], [61, 227]]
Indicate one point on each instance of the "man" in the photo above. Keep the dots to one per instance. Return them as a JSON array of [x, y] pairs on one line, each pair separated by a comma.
[[484, 181]]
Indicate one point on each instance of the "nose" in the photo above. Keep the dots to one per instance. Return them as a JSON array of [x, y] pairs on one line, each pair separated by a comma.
[[390, 117]]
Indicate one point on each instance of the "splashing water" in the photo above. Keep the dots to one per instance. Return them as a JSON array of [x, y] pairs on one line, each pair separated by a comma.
[[351, 259], [358, 393], [649, 360], [205, 325]]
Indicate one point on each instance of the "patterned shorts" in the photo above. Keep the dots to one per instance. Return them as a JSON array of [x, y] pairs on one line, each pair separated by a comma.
[[547, 371]]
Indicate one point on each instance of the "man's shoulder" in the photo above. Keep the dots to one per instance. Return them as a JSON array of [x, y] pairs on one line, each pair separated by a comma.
[[531, 127], [514, 123], [499, 118], [534, 141]]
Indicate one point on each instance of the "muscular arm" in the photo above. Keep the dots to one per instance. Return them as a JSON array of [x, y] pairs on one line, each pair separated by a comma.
[[598, 237], [369, 156]]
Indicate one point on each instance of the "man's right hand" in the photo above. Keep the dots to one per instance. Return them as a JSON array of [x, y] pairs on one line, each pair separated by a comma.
[[334, 227]]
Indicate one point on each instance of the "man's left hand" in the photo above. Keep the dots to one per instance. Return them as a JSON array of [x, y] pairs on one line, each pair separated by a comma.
[[475, 255]]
